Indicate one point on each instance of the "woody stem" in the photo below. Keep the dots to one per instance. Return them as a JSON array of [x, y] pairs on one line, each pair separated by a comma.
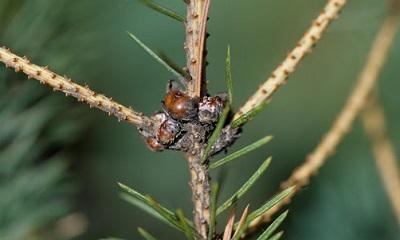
[[196, 21]]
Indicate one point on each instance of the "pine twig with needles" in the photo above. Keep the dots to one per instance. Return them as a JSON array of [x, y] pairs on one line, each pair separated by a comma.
[[195, 46], [165, 128]]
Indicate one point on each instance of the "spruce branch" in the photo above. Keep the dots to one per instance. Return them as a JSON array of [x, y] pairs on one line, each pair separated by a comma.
[[196, 21], [342, 125], [70, 88], [288, 66], [204, 206], [374, 122], [201, 194]]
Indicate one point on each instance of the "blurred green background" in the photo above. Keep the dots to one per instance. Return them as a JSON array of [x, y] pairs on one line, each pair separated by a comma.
[[344, 201]]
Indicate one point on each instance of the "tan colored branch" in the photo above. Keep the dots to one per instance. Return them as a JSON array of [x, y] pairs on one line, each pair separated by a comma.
[[67, 86], [366, 82], [385, 157], [196, 21], [199, 183], [288, 66]]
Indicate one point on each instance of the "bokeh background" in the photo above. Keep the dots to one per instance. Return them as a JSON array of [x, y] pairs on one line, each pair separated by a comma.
[[87, 40]]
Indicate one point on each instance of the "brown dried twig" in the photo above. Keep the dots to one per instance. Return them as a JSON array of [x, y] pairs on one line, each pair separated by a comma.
[[356, 101], [70, 88], [288, 66], [385, 157], [196, 21], [200, 186]]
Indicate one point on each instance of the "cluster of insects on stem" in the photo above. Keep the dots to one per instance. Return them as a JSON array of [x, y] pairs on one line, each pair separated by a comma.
[[186, 119]]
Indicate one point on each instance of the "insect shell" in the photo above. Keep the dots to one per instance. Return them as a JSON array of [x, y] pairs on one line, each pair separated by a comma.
[[154, 145], [210, 109], [180, 106], [168, 131]]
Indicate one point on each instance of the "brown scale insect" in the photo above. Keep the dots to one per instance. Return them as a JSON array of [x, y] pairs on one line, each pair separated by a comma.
[[182, 114], [168, 131], [154, 145], [180, 106], [210, 109], [165, 132]]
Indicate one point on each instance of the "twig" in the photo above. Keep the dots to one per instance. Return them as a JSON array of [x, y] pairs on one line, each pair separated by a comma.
[[70, 88], [385, 157], [288, 66], [196, 21], [201, 194], [356, 101]]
